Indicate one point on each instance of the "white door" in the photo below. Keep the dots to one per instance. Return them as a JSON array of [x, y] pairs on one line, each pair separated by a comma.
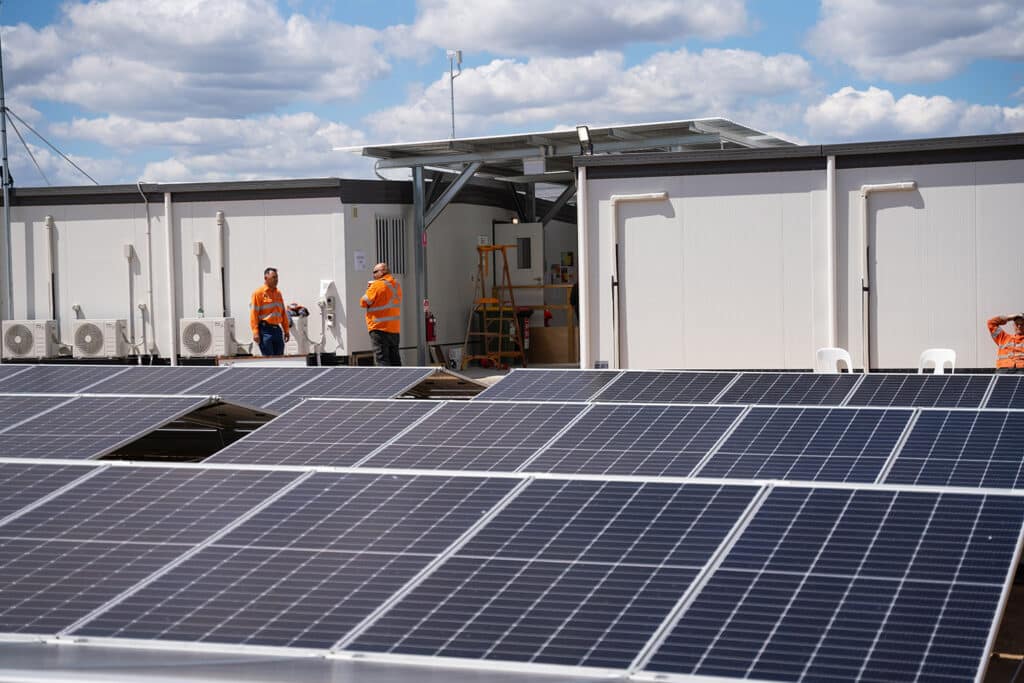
[[525, 262], [649, 300]]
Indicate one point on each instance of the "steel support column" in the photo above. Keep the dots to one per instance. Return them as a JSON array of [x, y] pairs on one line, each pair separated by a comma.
[[420, 249], [437, 207]]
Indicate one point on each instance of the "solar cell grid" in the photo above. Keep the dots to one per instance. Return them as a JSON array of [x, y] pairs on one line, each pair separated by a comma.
[[666, 387], [361, 382], [256, 387], [637, 439], [570, 572], [477, 436], [20, 407], [59, 379], [548, 385], [963, 448], [89, 426], [8, 370], [810, 444], [147, 504], [842, 584], [21, 485], [325, 433], [790, 388], [309, 567], [1008, 392], [926, 391], [156, 380], [49, 585]]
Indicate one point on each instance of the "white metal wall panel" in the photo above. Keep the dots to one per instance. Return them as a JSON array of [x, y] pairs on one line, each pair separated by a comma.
[[733, 280]]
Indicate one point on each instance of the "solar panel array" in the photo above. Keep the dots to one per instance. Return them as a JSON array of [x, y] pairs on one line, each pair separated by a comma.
[[795, 540]]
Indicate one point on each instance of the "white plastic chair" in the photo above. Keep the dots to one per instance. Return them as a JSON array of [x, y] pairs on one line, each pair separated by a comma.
[[938, 358], [827, 360]]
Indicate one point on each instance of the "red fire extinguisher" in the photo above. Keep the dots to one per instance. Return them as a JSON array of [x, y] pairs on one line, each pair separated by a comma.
[[431, 325]]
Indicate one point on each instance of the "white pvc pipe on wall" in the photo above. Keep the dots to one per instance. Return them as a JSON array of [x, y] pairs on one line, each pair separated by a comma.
[[172, 307], [830, 249], [617, 199], [865, 283], [583, 269]]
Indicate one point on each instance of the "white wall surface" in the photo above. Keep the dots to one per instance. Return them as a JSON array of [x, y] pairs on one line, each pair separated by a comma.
[[944, 258], [728, 273], [732, 271]]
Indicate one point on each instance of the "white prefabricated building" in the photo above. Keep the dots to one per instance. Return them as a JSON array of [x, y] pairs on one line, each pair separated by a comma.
[[756, 258], [101, 252]]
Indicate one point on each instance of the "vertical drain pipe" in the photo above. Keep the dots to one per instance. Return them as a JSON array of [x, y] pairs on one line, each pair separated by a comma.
[[830, 249], [865, 282], [171, 304], [583, 269], [617, 199]]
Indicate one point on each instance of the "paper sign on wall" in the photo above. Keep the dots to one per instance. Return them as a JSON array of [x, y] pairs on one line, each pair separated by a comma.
[[359, 260]]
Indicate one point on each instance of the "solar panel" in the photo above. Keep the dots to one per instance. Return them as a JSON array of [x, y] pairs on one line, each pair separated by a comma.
[[17, 408], [925, 391], [21, 485], [325, 433], [852, 585], [90, 426], [637, 439], [148, 505], [963, 448], [570, 572], [477, 436], [255, 387], [548, 385], [309, 567], [59, 379], [72, 554], [361, 382], [810, 444], [667, 387], [790, 388], [8, 370], [1008, 392], [157, 380]]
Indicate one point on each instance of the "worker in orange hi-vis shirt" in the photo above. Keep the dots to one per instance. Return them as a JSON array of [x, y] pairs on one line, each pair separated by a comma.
[[1010, 356], [268, 317], [383, 304]]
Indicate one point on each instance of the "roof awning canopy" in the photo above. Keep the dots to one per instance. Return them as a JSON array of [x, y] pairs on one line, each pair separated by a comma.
[[547, 157]]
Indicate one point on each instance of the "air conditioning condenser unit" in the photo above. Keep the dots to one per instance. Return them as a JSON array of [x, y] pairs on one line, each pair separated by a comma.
[[207, 337], [30, 339], [100, 339]]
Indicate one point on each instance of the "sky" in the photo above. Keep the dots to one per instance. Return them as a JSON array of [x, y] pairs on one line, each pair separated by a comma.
[[200, 90]]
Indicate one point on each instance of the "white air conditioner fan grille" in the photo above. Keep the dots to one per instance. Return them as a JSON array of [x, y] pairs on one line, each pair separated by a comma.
[[197, 338], [19, 339], [89, 338]]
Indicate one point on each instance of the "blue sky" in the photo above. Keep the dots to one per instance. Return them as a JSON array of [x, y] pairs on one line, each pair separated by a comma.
[[193, 90]]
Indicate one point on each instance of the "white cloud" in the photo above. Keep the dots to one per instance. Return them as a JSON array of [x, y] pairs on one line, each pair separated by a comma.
[[510, 95], [518, 27], [292, 146], [851, 114], [57, 170], [165, 58], [908, 40]]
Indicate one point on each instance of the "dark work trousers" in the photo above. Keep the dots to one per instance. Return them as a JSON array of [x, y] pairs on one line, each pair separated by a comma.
[[271, 340], [385, 347]]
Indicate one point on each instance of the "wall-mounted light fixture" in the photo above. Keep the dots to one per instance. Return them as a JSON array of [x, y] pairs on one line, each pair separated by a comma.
[[586, 144]]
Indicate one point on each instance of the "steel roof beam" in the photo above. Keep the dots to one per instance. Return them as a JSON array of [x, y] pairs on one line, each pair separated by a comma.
[[563, 199], [449, 193]]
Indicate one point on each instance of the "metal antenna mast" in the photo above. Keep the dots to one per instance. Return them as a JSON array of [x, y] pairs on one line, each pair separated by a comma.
[[454, 60], [9, 285]]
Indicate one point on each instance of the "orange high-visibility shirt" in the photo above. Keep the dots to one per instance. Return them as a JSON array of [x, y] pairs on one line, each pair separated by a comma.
[[1011, 346], [383, 304], [267, 305]]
